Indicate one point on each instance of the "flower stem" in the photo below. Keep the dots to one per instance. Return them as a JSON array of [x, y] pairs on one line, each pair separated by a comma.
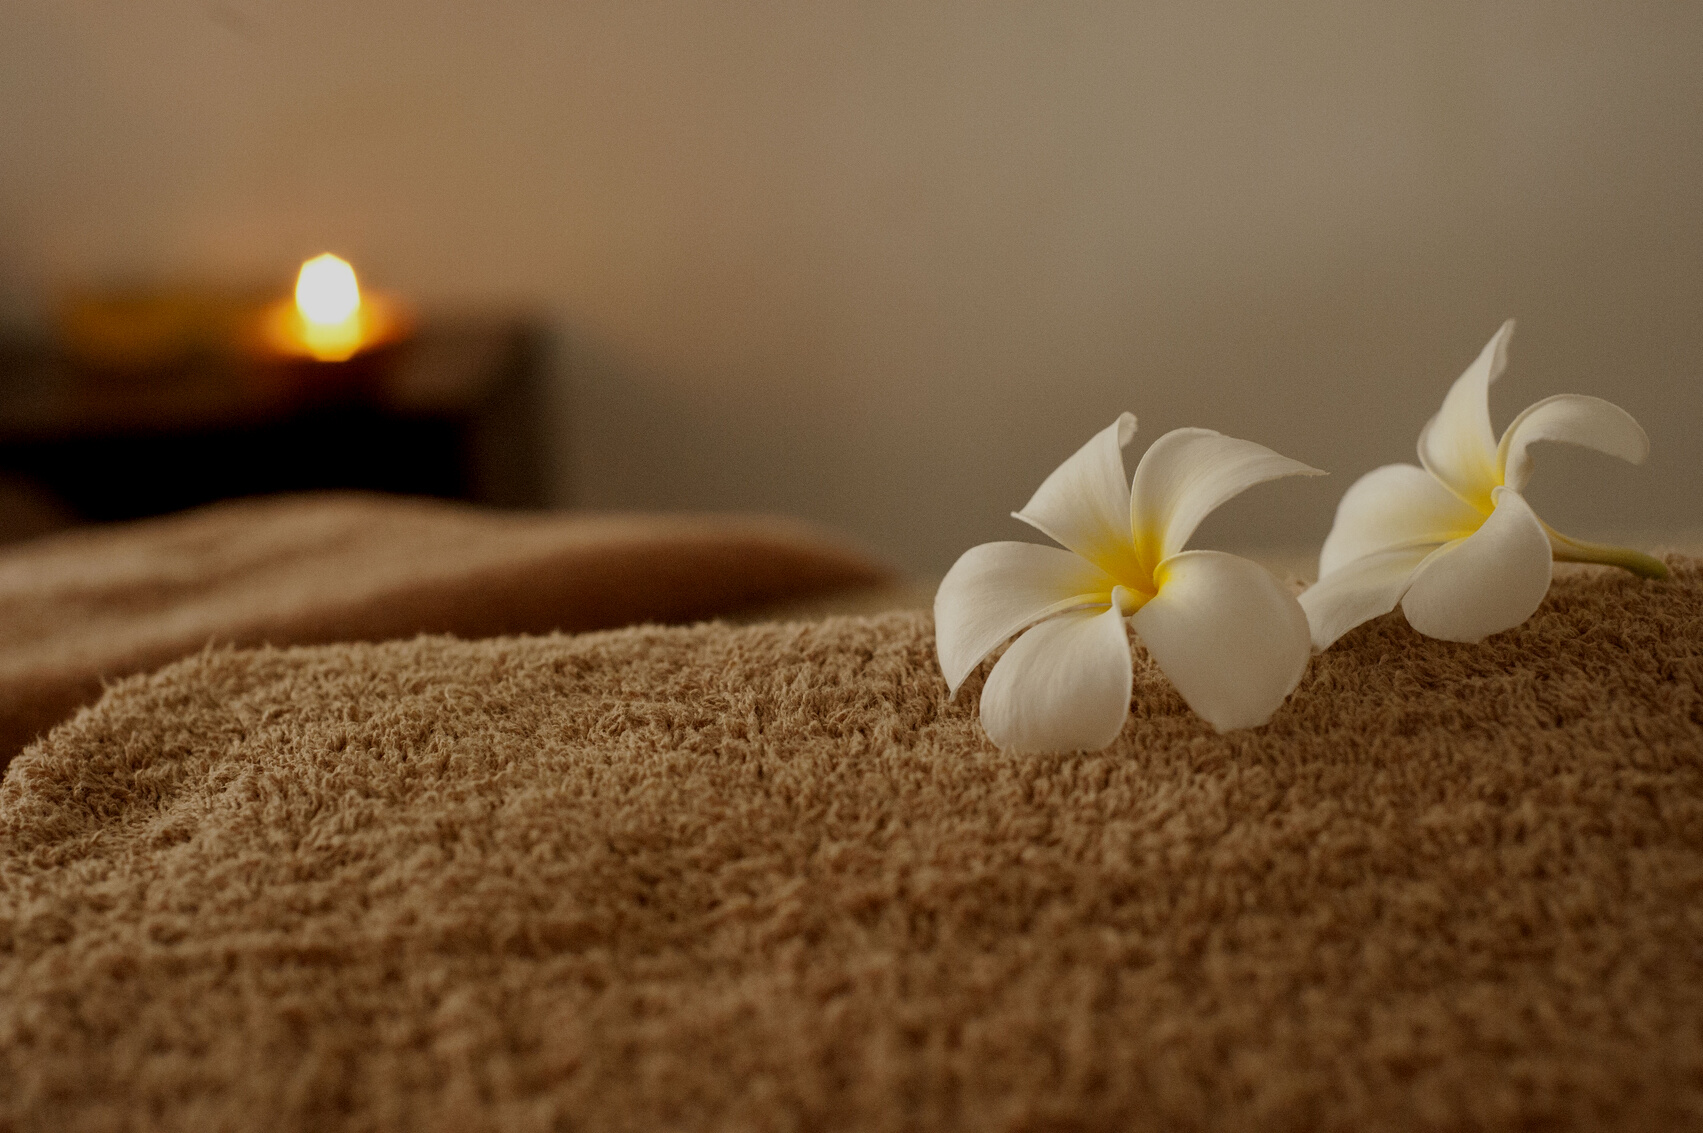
[[1577, 551]]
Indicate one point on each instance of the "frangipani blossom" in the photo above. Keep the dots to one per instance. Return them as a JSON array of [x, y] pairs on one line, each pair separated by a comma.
[[1454, 541], [1227, 634]]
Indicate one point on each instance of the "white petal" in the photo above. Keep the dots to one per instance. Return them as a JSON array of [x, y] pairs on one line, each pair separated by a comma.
[[1491, 581], [1397, 505], [996, 589], [1228, 635], [1063, 686], [1575, 419], [1084, 504], [1185, 475], [1457, 445], [1360, 590]]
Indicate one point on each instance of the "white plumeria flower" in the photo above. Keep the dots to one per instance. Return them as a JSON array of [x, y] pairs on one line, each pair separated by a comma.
[[1229, 636], [1455, 542]]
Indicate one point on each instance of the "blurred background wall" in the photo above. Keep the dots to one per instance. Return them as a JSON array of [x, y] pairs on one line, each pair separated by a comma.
[[884, 264]]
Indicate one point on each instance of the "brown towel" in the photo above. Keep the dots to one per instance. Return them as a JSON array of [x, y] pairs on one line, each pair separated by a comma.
[[770, 878], [95, 604]]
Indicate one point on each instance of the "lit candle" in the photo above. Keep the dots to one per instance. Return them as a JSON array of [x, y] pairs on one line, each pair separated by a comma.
[[330, 320]]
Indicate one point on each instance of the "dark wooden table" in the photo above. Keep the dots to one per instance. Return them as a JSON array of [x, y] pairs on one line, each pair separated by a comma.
[[456, 412]]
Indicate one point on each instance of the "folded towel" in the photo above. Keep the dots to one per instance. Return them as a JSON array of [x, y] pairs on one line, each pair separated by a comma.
[[770, 877], [93, 604]]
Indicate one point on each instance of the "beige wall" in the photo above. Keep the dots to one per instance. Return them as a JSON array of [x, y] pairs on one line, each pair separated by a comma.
[[884, 264]]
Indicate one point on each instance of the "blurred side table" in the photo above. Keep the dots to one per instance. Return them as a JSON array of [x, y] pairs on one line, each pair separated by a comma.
[[456, 412]]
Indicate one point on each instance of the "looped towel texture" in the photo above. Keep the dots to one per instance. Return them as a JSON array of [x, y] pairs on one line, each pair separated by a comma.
[[768, 877]]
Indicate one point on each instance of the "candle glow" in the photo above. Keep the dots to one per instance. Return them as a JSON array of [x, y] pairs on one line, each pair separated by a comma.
[[329, 301], [330, 320]]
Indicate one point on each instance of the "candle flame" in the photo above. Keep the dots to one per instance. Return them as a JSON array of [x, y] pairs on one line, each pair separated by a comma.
[[326, 290], [330, 320], [329, 302]]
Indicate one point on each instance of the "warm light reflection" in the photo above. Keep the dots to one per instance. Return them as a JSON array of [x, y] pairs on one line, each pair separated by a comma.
[[329, 301]]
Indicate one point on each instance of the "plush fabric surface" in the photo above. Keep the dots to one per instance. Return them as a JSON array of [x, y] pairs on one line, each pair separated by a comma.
[[769, 878], [90, 605]]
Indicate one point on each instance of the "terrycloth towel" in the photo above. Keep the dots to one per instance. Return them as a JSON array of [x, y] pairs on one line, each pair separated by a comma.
[[770, 878], [94, 604]]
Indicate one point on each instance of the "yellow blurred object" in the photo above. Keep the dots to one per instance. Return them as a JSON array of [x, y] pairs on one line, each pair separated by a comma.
[[330, 320], [142, 330]]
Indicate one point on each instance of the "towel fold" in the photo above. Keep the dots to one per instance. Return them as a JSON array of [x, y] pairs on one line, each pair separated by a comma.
[[94, 604]]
